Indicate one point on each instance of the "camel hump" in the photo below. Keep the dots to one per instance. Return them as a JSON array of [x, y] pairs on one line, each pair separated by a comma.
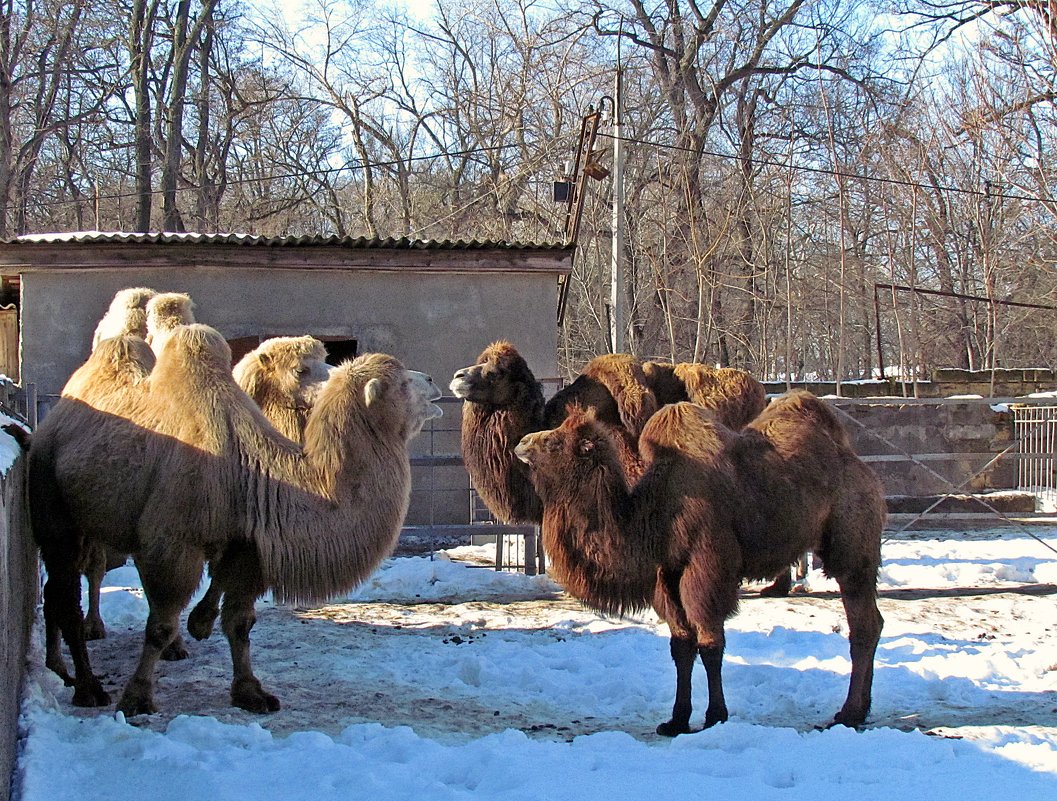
[[686, 428], [126, 315], [736, 396], [195, 350], [623, 377], [801, 404], [666, 385]]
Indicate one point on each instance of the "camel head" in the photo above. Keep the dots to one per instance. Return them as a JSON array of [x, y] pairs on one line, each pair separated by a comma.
[[393, 399], [665, 382], [126, 315], [578, 448], [498, 378], [284, 371]]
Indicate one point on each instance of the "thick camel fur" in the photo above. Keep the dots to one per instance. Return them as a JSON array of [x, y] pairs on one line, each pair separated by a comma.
[[126, 316], [504, 401], [283, 376], [734, 395], [185, 468], [166, 311], [713, 507]]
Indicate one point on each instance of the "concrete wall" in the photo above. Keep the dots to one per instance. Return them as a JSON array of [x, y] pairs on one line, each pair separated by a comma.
[[18, 600], [432, 322], [968, 434]]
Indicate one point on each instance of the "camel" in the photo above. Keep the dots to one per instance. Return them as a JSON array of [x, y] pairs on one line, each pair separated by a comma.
[[126, 315], [166, 311], [503, 402], [714, 507], [145, 314], [186, 469], [283, 376]]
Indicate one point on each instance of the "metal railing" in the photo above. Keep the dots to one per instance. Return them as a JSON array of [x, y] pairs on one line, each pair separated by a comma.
[[1035, 428]]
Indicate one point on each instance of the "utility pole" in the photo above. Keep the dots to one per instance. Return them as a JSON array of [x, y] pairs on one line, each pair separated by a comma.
[[616, 291]]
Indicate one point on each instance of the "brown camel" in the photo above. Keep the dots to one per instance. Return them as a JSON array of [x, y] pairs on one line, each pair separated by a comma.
[[714, 507], [187, 469], [503, 402]]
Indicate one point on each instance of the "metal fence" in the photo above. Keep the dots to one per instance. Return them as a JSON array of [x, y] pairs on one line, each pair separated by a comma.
[[1035, 429]]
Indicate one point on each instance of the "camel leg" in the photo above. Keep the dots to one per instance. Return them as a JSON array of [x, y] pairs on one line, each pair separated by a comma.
[[712, 658], [203, 616], [236, 619], [780, 587], [682, 649], [864, 632], [168, 585], [62, 612], [94, 570]]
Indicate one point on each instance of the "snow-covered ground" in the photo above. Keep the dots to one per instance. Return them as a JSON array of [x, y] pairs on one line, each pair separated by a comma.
[[443, 681]]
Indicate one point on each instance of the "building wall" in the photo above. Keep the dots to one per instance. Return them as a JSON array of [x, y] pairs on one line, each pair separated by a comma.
[[432, 322]]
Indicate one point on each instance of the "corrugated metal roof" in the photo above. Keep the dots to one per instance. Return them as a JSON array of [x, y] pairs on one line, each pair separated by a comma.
[[362, 242]]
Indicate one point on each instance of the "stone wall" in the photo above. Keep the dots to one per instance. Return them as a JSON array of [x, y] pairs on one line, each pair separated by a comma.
[[18, 601], [953, 440]]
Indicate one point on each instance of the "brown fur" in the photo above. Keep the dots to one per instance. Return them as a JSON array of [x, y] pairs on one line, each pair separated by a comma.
[[502, 402], [190, 469], [713, 507], [126, 316], [734, 395]]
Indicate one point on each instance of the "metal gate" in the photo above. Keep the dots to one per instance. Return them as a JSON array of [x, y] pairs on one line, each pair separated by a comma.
[[1035, 428]]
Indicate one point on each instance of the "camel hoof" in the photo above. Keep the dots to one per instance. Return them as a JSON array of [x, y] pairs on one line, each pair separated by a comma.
[[711, 719], [249, 695], [844, 719], [131, 706], [200, 622], [91, 695], [673, 729], [94, 630], [59, 669], [175, 651]]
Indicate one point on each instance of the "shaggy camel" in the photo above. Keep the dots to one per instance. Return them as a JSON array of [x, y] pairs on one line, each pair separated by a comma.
[[283, 376], [126, 316], [166, 311], [714, 507], [190, 470], [145, 314], [503, 402]]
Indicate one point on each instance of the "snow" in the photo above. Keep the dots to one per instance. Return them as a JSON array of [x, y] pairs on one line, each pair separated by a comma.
[[438, 680], [9, 449]]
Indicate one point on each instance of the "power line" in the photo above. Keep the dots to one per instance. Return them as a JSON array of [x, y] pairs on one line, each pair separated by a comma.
[[836, 173]]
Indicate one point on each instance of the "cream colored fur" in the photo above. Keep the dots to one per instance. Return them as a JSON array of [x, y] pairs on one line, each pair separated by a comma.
[[126, 315], [183, 467]]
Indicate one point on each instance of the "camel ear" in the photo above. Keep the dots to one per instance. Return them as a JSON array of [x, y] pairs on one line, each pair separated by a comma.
[[374, 391], [265, 359]]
